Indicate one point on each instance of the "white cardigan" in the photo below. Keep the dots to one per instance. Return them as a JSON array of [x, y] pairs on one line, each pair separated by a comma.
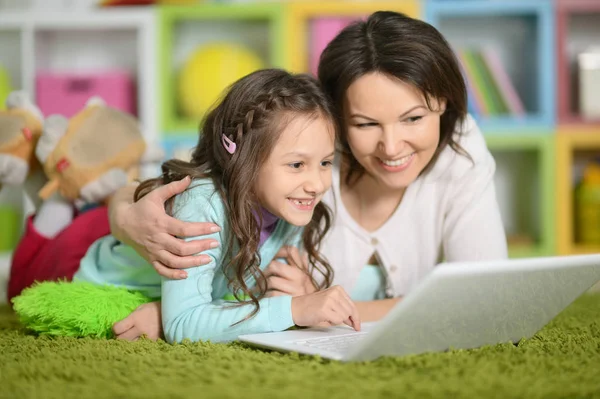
[[449, 213]]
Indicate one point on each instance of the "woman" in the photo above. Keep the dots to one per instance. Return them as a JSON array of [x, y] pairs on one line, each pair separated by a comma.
[[413, 185]]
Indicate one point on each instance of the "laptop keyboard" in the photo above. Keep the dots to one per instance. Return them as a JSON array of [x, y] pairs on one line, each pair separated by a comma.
[[339, 343]]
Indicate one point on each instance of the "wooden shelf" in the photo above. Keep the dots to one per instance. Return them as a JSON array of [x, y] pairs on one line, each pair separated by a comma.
[[569, 140]]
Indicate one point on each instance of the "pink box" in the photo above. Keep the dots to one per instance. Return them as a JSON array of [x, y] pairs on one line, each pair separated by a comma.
[[323, 30], [66, 93]]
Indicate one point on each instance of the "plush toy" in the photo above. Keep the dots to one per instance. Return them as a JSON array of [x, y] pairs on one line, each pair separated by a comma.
[[20, 130], [86, 159], [91, 155]]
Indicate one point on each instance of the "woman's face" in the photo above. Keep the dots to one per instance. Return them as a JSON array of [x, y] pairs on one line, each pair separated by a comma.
[[391, 131]]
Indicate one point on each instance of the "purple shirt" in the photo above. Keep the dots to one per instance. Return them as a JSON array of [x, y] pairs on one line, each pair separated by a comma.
[[268, 226]]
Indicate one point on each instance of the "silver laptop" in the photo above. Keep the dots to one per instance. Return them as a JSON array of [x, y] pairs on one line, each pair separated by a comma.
[[458, 305]]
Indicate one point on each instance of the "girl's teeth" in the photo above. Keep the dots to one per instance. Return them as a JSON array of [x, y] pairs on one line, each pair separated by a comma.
[[397, 162], [298, 202]]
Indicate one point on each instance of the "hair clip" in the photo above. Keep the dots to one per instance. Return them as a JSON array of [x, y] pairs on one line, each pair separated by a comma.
[[229, 145]]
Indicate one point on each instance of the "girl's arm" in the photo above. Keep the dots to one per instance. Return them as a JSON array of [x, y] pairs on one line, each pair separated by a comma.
[[145, 226], [192, 309]]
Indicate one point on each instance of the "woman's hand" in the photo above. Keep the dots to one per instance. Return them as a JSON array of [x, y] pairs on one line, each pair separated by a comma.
[[289, 279], [329, 307], [145, 320], [146, 227]]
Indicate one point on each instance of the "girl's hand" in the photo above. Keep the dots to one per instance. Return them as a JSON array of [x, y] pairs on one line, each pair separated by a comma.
[[291, 278], [329, 307], [145, 320], [146, 227]]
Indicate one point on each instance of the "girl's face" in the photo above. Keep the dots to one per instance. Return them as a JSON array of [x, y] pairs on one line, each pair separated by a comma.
[[390, 130], [298, 172]]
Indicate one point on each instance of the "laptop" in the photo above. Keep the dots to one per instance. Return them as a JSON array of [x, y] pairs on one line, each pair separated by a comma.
[[457, 306]]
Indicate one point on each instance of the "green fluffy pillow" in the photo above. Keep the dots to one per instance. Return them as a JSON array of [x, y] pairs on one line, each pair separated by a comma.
[[75, 309]]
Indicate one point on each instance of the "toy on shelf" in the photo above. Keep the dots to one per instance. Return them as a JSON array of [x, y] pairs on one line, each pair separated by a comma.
[[208, 71], [587, 200]]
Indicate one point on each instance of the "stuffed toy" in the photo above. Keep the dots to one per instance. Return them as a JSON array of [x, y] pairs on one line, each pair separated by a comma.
[[86, 159], [20, 130], [93, 154]]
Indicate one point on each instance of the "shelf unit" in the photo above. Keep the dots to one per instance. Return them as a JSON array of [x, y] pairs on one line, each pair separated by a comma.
[[123, 38], [182, 28], [525, 189], [536, 40], [300, 15], [507, 26], [31, 41], [577, 27], [572, 143]]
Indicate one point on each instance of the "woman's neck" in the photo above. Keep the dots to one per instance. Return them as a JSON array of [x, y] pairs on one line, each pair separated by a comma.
[[369, 202]]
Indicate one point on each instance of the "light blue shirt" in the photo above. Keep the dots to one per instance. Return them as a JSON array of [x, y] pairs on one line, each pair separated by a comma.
[[370, 285], [193, 308]]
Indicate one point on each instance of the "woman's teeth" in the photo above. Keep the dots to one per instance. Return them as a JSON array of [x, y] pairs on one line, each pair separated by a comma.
[[398, 162]]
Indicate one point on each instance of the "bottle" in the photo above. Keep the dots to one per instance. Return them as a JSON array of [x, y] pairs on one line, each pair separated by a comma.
[[587, 205]]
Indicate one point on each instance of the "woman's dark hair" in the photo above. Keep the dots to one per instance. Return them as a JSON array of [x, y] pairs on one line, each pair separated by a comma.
[[253, 113], [402, 48]]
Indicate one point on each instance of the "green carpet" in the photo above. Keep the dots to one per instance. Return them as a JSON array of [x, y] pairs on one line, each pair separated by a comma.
[[562, 361]]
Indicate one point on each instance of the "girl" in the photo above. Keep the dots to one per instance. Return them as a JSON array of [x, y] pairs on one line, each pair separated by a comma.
[[260, 169], [414, 184]]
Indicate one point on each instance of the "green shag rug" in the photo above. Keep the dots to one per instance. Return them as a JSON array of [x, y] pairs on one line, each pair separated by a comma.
[[562, 361]]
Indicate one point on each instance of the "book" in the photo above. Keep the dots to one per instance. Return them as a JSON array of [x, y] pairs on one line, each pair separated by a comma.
[[504, 83]]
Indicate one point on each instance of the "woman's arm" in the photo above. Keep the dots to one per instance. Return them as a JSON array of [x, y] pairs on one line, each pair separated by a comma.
[[375, 310], [473, 228], [145, 226]]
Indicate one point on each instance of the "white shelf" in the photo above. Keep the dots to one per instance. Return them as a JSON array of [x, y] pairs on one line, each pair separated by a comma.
[[94, 38], [11, 56]]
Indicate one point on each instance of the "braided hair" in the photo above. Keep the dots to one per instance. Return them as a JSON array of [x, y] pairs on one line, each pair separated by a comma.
[[252, 114]]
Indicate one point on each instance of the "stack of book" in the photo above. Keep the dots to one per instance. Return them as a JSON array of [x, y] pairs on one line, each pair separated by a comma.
[[490, 89]]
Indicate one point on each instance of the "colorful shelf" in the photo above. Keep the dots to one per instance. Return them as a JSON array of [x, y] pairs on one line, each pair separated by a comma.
[[577, 26], [208, 22], [569, 140], [508, 26], [532, 191]]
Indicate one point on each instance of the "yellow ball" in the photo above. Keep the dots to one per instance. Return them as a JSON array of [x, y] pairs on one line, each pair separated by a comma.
[[208, 71]]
